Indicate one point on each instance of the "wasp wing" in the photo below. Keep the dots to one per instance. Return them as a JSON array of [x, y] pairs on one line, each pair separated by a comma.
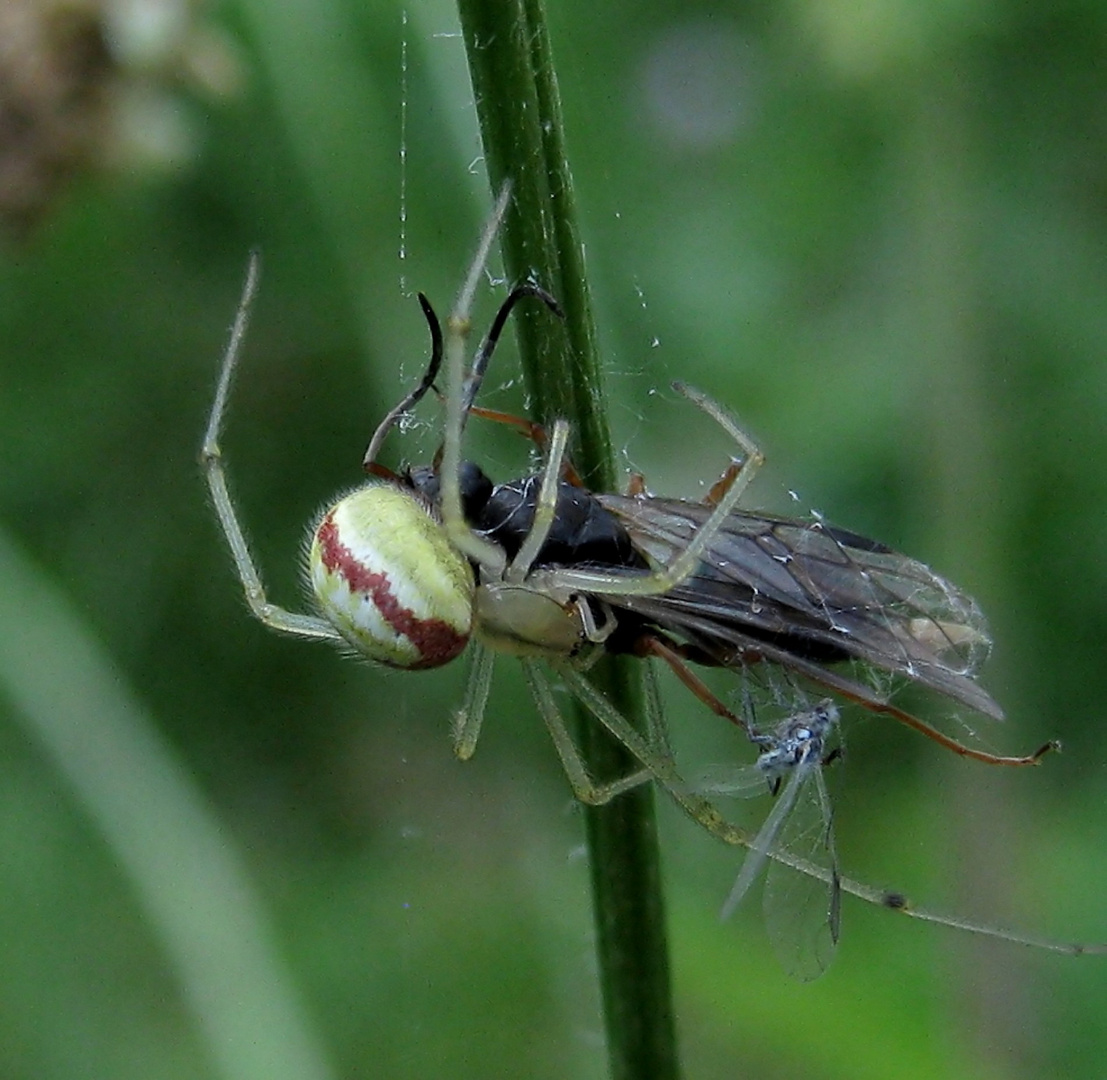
[[805, 594]]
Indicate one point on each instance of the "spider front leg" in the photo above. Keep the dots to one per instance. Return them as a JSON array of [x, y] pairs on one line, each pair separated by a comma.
[[467, 720], [725, 494], [488, 556], [211, 458]]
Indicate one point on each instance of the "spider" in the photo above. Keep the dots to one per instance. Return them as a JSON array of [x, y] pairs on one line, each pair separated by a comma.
[[400, 575], [403, 579]]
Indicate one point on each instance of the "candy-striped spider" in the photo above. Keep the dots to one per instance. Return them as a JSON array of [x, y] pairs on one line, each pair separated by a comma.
[[401, 577], [403, 573]]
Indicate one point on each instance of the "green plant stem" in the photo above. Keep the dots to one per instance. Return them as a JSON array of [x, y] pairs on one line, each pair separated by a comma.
[[520, 116]]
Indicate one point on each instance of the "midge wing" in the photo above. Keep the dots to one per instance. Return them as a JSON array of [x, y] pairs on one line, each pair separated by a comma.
[[802, 910], [802, 913], [809, 593]]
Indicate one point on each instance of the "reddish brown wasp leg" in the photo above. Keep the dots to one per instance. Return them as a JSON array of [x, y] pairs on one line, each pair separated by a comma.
[[933, 733], [636, 485], [531, 430], [723, 484], [853, 691], [653, 645], [381, 472]]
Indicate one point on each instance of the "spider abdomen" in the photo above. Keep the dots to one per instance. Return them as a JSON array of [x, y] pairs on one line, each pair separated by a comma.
[[387, 578]]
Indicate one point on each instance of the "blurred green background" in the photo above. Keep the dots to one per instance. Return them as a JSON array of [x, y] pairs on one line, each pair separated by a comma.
[[876, 231]]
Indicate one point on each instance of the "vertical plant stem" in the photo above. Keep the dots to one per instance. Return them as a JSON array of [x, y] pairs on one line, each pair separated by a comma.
[[520, 117]]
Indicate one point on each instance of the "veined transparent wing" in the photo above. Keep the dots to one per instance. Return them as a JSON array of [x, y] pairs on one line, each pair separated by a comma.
[[809, 594], [802, 911]]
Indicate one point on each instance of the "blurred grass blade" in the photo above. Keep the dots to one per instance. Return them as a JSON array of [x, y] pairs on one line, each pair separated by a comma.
[[180, 861]]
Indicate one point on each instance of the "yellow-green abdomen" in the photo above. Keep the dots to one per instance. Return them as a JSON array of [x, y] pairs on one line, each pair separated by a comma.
[[388, 579]]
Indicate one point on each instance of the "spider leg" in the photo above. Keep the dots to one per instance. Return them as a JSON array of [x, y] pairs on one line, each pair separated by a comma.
[[545, 508], [468, 718], [211, 458], [657, 758], [654, 754], [705, 814], [685, 563], [584, 787], [490, 557]]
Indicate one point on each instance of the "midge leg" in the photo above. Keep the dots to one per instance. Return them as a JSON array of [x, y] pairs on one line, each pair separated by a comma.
[[211, 458]]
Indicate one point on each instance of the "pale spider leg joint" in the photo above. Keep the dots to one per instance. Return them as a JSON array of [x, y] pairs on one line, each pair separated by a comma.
[[586, 790], [596, 633], [685, 563]]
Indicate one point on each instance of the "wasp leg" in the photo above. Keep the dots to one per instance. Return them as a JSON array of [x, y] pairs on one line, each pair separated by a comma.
[[857, 692], [660, 647], [531, 430], [723, 484]]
